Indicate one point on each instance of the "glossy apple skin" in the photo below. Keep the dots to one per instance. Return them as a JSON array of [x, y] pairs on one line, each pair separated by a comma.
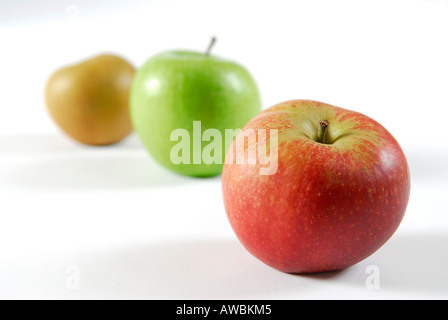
[[175, 88], [328, 206], [89, 101]]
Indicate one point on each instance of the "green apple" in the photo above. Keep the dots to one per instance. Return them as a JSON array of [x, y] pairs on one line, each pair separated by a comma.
[[193, 93]]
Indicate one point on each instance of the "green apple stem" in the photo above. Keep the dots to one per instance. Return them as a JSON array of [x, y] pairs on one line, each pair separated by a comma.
[[210, 46], [322, 132]]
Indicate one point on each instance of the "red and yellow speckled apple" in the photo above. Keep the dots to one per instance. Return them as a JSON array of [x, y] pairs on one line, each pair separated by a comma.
[[340, 191]]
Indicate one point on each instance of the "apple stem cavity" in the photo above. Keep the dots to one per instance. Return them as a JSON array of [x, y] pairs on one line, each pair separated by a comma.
[[322, 132], [210, 46]]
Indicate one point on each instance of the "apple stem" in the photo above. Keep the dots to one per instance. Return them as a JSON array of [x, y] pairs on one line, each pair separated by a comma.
[[322, 132], [210, 46]]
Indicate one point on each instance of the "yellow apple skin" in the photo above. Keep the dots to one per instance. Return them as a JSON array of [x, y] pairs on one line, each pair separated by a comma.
[[89, 100]]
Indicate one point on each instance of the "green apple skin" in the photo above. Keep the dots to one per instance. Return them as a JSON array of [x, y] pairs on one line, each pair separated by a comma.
[[175, 88]]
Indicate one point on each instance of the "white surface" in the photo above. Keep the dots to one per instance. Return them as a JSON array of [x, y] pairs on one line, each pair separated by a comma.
[[130, 229]]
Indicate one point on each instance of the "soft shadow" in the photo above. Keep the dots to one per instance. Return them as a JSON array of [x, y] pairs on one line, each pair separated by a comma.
[[181, 270], [409, 265], [52, 162], [105, 172], [413, 265], [328, 275], [414, 262], [428, 165], [49, 144]]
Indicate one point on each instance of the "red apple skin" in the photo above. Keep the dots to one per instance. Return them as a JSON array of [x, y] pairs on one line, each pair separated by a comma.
[[328, 206]]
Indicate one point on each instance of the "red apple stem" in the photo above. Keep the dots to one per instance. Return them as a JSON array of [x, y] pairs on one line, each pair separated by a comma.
[[210, 46], [322, 132]]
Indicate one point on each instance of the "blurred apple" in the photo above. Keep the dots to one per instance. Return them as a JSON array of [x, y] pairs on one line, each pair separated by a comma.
[[184, 90], [89, 100]]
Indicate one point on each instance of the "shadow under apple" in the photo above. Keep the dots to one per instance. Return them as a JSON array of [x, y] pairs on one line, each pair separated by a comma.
[[181, 270], [416, 264], [46, 162], [428, 165], [92, 172], [55, 144]]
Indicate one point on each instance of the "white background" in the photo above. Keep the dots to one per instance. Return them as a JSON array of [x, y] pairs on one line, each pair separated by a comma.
[[95, 223]]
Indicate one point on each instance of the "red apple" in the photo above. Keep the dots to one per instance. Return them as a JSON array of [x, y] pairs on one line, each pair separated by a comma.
[[340, 190]]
